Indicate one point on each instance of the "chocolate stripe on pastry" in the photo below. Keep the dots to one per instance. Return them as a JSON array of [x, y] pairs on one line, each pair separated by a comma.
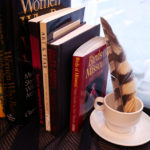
[[117, 93], [119, 58], [113, 78], [126, 78], [114, 74]]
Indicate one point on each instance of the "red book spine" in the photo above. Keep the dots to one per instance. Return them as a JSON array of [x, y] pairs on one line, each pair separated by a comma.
[[52, 86], [76, 90], [35, 49], [36, 63]]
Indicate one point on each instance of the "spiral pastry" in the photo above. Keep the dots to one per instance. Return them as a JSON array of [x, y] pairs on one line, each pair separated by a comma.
[[121, 72]]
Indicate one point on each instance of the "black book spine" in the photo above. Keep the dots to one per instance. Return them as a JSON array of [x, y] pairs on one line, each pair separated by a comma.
[[36, 63], [52, 71], [2, 43], [55, 73], [9, 76]]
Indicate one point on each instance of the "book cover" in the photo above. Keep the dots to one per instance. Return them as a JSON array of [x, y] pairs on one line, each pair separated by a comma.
[[60, 72], [46, 27], [2, 111], [89, 76], [34, 28], [19, 80]]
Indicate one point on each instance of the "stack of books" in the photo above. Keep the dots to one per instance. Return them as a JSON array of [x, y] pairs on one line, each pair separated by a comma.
[[67, 71], [18, 97]]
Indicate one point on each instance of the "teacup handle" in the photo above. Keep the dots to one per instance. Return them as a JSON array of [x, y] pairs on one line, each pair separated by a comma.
[[99, 107]]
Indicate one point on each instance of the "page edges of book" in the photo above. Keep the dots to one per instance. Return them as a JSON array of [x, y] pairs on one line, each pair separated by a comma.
[[81, 29], [93, 43], [69, 11], [66, 29], [44, 16]]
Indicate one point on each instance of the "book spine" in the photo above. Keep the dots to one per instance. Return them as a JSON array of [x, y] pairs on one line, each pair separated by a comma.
[[76, 89], [8, 66], [52, 64], [44, 57], [36, 63], [2, 114]]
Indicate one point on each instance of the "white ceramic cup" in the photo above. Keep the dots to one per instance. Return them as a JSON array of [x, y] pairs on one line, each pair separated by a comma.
[[120, 122]]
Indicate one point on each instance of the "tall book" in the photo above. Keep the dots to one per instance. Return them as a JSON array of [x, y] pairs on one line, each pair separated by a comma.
[[89, 76], [46, 27], [2, 43], [60, 71], [19, 77], [34, 27]]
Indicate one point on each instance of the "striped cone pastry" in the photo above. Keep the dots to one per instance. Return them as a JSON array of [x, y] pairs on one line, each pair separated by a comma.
[[121, 73]]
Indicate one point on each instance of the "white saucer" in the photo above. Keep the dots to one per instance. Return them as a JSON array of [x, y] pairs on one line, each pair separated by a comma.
[[139, 137]]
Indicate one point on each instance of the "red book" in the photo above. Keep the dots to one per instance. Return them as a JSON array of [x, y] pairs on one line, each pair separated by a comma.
[[89, 78]]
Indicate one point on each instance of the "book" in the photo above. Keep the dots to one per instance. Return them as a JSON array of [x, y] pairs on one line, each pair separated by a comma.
[[59, 63], [64, 29], [47, 26], [2, 43], [34, 28], [19, 79], [89, 76]]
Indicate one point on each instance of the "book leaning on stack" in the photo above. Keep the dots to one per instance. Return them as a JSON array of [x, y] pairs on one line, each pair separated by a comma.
[[89, 79]]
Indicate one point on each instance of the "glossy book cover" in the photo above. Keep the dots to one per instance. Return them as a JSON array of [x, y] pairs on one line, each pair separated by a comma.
[[89, 78]]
